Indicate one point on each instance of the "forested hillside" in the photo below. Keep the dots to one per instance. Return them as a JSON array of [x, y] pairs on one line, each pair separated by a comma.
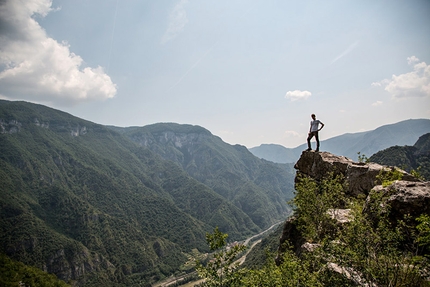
[[258, 187], [86, 203], [416, 157]]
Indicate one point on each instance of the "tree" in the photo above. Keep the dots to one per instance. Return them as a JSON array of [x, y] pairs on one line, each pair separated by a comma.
[[312, 202], [222, 270]]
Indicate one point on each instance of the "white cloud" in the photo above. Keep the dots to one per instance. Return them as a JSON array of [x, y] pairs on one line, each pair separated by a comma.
[[36, 67], [297, 95], [292, 134], [177, 21], [412, 84], [377, 103], [412, 60]]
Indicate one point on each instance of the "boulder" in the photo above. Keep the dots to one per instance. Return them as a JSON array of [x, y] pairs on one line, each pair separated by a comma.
[[404, 198]]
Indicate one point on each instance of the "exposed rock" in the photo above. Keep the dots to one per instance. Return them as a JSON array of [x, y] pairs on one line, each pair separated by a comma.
[[361, 177], [309, 247], [78, 131], [41, 124], [75, 266], [351, 274], [340, 215], [11, 127], [404, 198]]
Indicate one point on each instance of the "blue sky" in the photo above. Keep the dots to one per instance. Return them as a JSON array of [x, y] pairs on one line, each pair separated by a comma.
[[251, 72]]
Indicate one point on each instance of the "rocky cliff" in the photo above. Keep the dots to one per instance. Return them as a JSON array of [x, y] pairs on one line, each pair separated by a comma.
[[399, 194]]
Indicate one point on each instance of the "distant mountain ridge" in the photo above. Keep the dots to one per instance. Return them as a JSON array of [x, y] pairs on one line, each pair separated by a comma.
[[402, 133]]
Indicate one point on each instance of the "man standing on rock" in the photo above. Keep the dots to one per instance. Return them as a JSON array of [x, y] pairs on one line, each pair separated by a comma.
[[313, 131]]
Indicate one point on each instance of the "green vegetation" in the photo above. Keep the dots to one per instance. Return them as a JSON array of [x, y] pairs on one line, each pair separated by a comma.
[[13, 273], [221, 269], [265, 250], [86, 202], [414, 159], [312, 202], [387, 176], [368, 250], [259, 188], [362, 157], [423, 237]]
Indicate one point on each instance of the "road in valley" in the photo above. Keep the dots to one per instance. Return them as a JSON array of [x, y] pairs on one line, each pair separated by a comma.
[[173, 280]]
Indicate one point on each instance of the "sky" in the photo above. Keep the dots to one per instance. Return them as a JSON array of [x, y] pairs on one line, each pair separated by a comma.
[[251, 72]]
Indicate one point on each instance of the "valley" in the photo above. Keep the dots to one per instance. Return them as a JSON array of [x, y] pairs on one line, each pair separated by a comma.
[[250, 242], [100, 205]]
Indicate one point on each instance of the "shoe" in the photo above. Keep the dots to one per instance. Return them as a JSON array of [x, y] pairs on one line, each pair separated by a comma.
[[309, 149], [317, 150]]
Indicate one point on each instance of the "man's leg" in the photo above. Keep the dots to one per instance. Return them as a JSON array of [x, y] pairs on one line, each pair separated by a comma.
[[309, 140], [318, 141]]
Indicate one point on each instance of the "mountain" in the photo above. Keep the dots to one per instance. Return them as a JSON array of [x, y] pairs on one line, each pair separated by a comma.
[[258, 187], [416, 157], [83, 201], [277, 153], [402, 133]]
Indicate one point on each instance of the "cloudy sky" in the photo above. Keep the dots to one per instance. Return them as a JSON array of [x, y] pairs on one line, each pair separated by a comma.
[[250, 71]]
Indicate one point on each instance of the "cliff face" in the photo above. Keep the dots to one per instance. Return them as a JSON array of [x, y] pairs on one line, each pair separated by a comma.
[[407, 196]]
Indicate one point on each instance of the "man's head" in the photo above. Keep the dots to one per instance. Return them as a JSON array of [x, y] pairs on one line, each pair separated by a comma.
[[313, 116]]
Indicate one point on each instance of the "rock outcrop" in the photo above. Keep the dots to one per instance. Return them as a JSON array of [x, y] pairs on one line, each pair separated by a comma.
[[408, 196], [360, 177], [404, 198]]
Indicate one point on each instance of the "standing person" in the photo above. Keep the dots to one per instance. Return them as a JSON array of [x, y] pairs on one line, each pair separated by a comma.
[[313, 131]]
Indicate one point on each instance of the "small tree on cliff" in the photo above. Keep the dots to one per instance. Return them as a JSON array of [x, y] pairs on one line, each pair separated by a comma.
[[313, 200], [221, 270]]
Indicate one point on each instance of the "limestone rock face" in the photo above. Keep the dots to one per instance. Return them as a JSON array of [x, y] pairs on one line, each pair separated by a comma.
[[361, 177]]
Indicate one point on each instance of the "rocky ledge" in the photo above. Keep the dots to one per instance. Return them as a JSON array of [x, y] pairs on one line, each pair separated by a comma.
[[361, 177]]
